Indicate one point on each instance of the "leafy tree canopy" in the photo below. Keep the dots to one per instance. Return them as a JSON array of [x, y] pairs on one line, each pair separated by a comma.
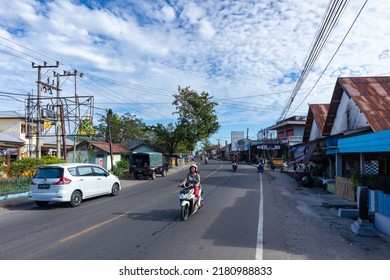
[[196, 122]]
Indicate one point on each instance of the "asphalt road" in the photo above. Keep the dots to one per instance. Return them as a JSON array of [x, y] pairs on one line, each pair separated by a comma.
[[246, 216]]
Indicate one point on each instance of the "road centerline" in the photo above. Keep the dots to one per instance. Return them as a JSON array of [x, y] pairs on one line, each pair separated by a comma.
[[91, 228]]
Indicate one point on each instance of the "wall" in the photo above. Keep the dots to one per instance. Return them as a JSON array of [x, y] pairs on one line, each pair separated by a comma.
[[299, 130], [10, 127], [315, 132], [348, 116], [344, 188]]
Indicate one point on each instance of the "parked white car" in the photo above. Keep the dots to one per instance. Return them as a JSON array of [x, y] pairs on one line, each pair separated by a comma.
[[71, 182]]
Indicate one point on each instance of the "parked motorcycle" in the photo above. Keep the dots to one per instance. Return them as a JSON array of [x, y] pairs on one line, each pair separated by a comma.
[[234, 166], [188, 200]]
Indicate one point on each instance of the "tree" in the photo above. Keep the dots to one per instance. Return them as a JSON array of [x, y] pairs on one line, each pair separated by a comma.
[[196, 122], [166, 137], [123, 128], [197, 119], [133, 127], [208, 147]]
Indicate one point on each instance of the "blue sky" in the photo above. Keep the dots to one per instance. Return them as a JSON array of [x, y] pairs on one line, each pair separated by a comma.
[[134, 54]]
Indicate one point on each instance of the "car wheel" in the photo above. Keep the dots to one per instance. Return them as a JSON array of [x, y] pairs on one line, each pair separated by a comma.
[[75, 199], [115, 189], [164, 173], [42, 203], [153, 175]]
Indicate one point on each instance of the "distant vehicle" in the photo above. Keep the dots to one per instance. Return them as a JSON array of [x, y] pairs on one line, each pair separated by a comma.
[[71, 182], [148, 165], [234, 166]]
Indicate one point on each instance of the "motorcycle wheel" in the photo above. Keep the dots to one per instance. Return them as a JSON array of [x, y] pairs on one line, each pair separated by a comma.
[[185, 212]]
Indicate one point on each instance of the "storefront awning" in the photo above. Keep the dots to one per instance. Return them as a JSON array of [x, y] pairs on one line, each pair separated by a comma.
[[299, 152], [332, 144], [367, 143]]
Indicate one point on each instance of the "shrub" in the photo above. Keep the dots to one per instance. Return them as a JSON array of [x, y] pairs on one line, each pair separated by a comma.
[[28, 166], [120, 167]]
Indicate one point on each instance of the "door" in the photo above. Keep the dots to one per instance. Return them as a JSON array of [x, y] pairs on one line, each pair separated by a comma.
[[88, 181], [103, 180]]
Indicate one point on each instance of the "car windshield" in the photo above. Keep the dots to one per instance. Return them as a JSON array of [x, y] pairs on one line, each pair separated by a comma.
[[49, 173]]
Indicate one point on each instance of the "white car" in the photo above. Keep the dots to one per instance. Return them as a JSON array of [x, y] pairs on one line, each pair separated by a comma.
[[71, 182]]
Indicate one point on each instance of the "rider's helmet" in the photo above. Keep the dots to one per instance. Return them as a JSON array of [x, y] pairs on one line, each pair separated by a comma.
[[196, 167]]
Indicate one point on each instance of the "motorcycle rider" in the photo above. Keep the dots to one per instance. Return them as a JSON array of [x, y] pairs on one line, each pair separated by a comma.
[[260, 167], [193, 177]]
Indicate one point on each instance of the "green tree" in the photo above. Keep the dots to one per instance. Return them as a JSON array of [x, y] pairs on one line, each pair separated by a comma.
[[208, 147], [166, 137], [133, 127], [196, 112], [123, 128], [196, 122]]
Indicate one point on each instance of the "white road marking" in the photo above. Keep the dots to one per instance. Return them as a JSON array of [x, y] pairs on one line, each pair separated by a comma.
[[259, 245]]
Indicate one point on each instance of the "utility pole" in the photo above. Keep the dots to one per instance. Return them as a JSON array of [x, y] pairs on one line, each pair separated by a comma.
[[249, 145], [58, 138], [39, 85], [109, 115], [74, 74]]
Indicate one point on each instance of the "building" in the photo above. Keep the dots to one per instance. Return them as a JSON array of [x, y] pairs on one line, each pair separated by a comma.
[[97, 152], [275, 141], [355, 137]]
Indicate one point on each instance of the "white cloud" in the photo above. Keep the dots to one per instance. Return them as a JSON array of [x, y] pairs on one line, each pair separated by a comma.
[[228, 48]]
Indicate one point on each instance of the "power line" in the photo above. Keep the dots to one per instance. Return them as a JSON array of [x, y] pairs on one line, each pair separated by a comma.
[[334, 54], [329, 21]]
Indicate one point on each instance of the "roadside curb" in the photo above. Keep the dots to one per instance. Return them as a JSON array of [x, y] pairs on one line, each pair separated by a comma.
[[13, 200]]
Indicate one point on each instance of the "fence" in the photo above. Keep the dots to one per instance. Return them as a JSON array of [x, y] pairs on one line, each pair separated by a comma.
[[384, 204], [14, 185], [345, 188]]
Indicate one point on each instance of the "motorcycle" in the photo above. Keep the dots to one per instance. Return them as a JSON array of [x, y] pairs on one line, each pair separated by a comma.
[[260, 168], [206, 161], [188, 200], [234, 166]]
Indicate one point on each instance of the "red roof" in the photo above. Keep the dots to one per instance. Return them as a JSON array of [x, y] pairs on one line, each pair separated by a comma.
[[371, 95], [105, 146], [318, 113]]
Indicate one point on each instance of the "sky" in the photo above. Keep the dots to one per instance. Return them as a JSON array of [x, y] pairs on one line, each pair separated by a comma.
[[134, 55]]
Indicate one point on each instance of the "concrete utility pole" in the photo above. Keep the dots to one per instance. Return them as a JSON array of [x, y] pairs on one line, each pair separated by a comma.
[[109, 115], [39, 84]]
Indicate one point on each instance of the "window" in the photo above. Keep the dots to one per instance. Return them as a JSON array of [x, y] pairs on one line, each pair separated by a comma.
[[23, 128], [85, 171], [49, 173], [72, 171], [99, 171], [290, 132]]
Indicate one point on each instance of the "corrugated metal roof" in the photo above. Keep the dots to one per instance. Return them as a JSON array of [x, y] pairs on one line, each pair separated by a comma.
[[371, 95], [11, 115], [116, 148], [7, 138], [318, 113], [295, 120]]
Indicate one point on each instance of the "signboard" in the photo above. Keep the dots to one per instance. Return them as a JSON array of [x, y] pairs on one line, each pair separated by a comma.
[[268, 147], [99, 161], [236, 135]]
